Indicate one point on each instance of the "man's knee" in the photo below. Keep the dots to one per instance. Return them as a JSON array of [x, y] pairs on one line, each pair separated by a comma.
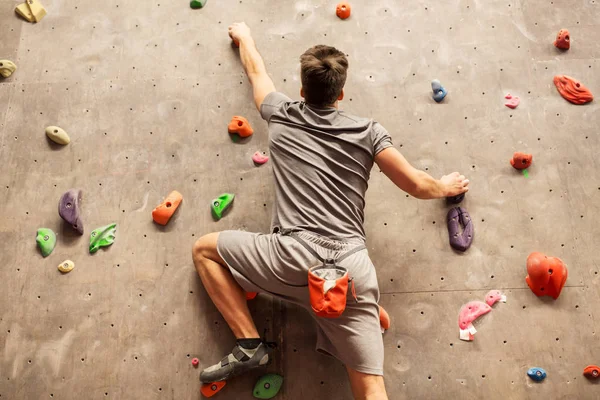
[[206, 247]]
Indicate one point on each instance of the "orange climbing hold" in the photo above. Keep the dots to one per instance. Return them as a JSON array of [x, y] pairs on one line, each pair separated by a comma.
[[572, 90], [521, 160], [241, 126], [163, 213], [343, 10], [563, 40], [592, 371], [384, 319], [210, 389], [546, 276]]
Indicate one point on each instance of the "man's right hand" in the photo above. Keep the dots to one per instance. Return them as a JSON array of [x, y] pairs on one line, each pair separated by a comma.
[[455, 184], [239, 31]]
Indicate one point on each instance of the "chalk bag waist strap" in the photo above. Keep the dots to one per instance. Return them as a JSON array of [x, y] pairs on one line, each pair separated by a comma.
[[328, 283]]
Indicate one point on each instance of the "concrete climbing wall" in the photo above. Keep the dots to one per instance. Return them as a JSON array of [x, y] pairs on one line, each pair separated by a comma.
[[146, 89]]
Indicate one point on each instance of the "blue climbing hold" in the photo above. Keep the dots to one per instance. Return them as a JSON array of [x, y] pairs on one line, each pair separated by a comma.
[[439, 92], [537, 374]]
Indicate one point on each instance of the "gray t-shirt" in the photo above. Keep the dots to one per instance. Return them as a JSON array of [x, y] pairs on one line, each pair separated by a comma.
[[321, 160]]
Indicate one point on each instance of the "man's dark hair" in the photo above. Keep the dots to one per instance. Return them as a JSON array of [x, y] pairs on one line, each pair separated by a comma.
[[323, 73]]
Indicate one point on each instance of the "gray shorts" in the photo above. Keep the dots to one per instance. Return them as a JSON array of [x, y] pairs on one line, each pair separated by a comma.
[[278, 265]]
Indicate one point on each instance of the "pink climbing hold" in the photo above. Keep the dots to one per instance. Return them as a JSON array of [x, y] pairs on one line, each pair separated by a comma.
[[513, 101], [494, 296], [469, 313], [195, 362], [260, 158]]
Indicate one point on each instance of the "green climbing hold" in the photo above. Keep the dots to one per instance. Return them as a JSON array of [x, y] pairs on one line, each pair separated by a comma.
[[268, 386], [46, 240], [103, 236], [220, 204], [196, 4]]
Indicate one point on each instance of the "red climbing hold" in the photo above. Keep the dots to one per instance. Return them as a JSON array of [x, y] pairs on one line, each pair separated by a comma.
[[241, 126], [469, 313], [592, 371], [546, 276], [494, 296], [251, 295], [513, 101], [343, 10], [563, 39], [521, 160], [384, 319], [572, 90], [210, 389], [195, 362]]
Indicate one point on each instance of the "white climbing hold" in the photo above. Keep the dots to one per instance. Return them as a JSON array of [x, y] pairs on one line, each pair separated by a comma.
[[66, 266], [57, 135]]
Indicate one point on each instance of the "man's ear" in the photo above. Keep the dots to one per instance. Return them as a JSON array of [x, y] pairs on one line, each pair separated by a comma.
[[302, 92], [341, 97]]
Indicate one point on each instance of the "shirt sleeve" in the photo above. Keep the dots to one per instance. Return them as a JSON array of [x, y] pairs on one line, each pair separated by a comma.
[[272, 103], [381, 138]]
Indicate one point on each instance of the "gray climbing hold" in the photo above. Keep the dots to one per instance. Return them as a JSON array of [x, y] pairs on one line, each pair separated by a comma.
[[439, 92]]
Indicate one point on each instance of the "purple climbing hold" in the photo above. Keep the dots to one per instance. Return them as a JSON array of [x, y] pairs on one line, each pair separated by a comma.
[[69, 210], [455, 199], [459, 218]]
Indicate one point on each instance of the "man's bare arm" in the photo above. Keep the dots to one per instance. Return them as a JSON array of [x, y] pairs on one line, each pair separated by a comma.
[[418, 183], [253, 63]]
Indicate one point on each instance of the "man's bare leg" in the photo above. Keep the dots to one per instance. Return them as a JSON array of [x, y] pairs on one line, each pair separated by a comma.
[[366, 387], [225, 292]]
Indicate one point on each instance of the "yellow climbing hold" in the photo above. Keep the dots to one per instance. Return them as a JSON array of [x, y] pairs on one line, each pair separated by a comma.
[[66, 266], [57, 135], [7, 68], [31, 10], [23, 11], [36, 9]]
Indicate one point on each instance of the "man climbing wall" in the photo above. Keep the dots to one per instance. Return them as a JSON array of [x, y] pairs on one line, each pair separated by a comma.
[[322, 158]]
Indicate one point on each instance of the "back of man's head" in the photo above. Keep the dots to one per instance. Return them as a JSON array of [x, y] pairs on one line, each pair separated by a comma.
[[323, 73]]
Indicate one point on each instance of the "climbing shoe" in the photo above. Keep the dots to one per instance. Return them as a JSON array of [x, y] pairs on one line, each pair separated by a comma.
[[239, 361]]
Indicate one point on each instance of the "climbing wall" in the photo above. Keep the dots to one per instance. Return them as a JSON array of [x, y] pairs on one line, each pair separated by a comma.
[[145, 91]]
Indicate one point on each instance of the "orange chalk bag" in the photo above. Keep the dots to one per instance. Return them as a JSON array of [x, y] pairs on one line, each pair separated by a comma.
[[328, 282]]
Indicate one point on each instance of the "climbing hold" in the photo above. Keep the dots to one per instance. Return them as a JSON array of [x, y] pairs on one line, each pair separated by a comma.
[[260, 158], [195, 362], [459, 217], [343, 10], [592, 371], [439, 92], [251, 295], [563, 39], [513, 101], [7, 68], [469, 313], [241, 126], [37, 10], [46, 240], [268, 386], [57, 135], [66, 266], [572, 90], [103, 236], [210, 389], [220, 204], [68, 209], [537, 374], [196, 4], [384, 319], [163, 212], [546, 276], [24, 11], [493, 296], [521, 160], [455, 199]]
